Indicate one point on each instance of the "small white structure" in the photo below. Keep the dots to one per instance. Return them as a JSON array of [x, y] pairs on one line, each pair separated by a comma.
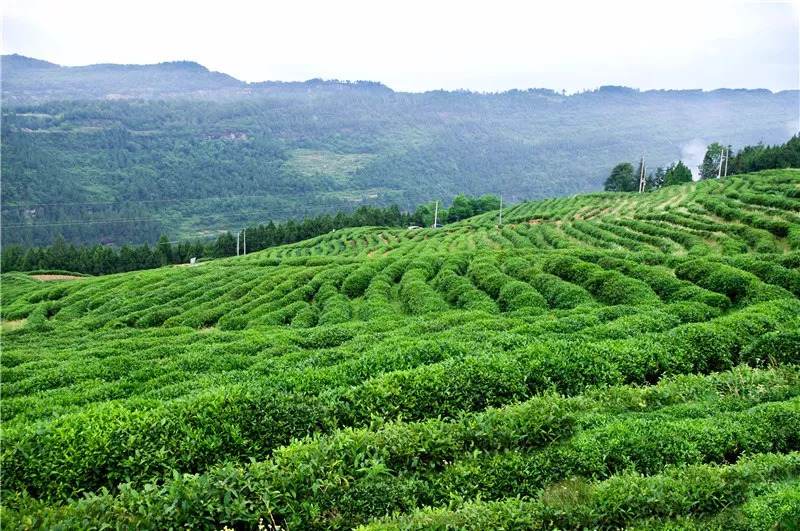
[[192, 261]]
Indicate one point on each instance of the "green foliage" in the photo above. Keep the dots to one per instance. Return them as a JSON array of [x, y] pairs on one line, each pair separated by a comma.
[[761, 157], [677, 173], [600, 361], [622, 179], [167, 159], [710, 167]]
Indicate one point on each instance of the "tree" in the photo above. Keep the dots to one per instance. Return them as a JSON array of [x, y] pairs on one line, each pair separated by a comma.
[[761, 157], [459, 209], [677, 174], [656, 180], [163, 251], [11, 258], [59, 252], [622, 179], [198, 249], [127, 259], [225, 246], [487, 203], [340, 220], [30, 261], [422, 216], [709, 169], [144, 256]]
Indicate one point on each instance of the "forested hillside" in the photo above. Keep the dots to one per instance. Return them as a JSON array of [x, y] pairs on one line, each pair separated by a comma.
[[610, 360], [121, 154]]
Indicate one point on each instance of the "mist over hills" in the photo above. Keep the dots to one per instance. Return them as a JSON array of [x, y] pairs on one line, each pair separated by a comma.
[[188, 152], [28, 80]]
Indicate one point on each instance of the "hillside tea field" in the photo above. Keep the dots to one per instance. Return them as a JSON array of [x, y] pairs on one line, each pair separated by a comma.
[[605, 360]]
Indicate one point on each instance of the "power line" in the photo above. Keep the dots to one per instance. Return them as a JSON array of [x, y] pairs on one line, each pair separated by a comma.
[[184, 200], [17, 225], [273, 213]]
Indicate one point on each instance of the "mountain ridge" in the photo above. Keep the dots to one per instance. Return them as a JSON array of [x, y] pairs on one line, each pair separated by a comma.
[[21, 62]]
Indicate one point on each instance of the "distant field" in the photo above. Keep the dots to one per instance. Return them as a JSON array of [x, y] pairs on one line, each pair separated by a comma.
[[599, 361], [340, 167]]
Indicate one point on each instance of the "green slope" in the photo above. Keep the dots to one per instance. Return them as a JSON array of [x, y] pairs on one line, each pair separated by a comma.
[[600, 360], [179, 155]]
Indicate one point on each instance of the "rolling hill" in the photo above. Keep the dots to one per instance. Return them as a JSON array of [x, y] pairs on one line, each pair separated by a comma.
[[601, 360], [123, 153]]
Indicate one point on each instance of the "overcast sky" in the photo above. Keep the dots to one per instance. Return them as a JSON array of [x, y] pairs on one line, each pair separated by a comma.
[[417, 45]]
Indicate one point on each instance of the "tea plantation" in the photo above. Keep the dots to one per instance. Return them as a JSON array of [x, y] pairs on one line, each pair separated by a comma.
[[604, 360]]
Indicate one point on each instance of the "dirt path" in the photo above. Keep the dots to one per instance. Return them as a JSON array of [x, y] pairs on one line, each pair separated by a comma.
[[8, 326], [56, 277], [674, 201]]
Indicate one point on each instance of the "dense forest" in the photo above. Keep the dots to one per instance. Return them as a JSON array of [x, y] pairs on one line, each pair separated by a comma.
[[102, 259], [99, 259], [192, 153], [749, 159]]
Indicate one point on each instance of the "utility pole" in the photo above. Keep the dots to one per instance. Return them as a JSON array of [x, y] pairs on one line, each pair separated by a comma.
[[727, 156], [641, 178], [436, 214], [721, 154], [245, 241], [237, 243], [501, 210]]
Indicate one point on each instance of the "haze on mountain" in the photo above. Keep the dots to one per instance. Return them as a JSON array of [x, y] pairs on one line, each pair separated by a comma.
[[420, 45]]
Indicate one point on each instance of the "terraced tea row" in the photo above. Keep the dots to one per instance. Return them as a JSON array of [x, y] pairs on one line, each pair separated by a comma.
[[526, 451], [543, 373]]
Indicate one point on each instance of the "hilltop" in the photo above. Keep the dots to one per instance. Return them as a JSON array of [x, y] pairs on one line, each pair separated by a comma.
[[27, 80], [144, 150], [601, 360]]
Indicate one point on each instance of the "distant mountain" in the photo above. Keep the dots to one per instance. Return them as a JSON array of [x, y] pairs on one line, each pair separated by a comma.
[[175, 148], [28, 80]]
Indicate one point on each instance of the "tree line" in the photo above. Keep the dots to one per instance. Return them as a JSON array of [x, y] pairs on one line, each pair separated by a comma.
[[103, 259], [718, 160]]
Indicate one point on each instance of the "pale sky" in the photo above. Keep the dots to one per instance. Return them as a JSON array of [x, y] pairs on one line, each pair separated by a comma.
[[417, 45]]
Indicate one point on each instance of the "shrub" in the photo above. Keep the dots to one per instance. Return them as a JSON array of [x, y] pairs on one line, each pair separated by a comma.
[[418, 297], [357, 282], [731, 282], [773, 348]]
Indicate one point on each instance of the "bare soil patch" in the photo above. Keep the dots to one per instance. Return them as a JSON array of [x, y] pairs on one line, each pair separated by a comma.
[[8, 326], [56, 277]]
